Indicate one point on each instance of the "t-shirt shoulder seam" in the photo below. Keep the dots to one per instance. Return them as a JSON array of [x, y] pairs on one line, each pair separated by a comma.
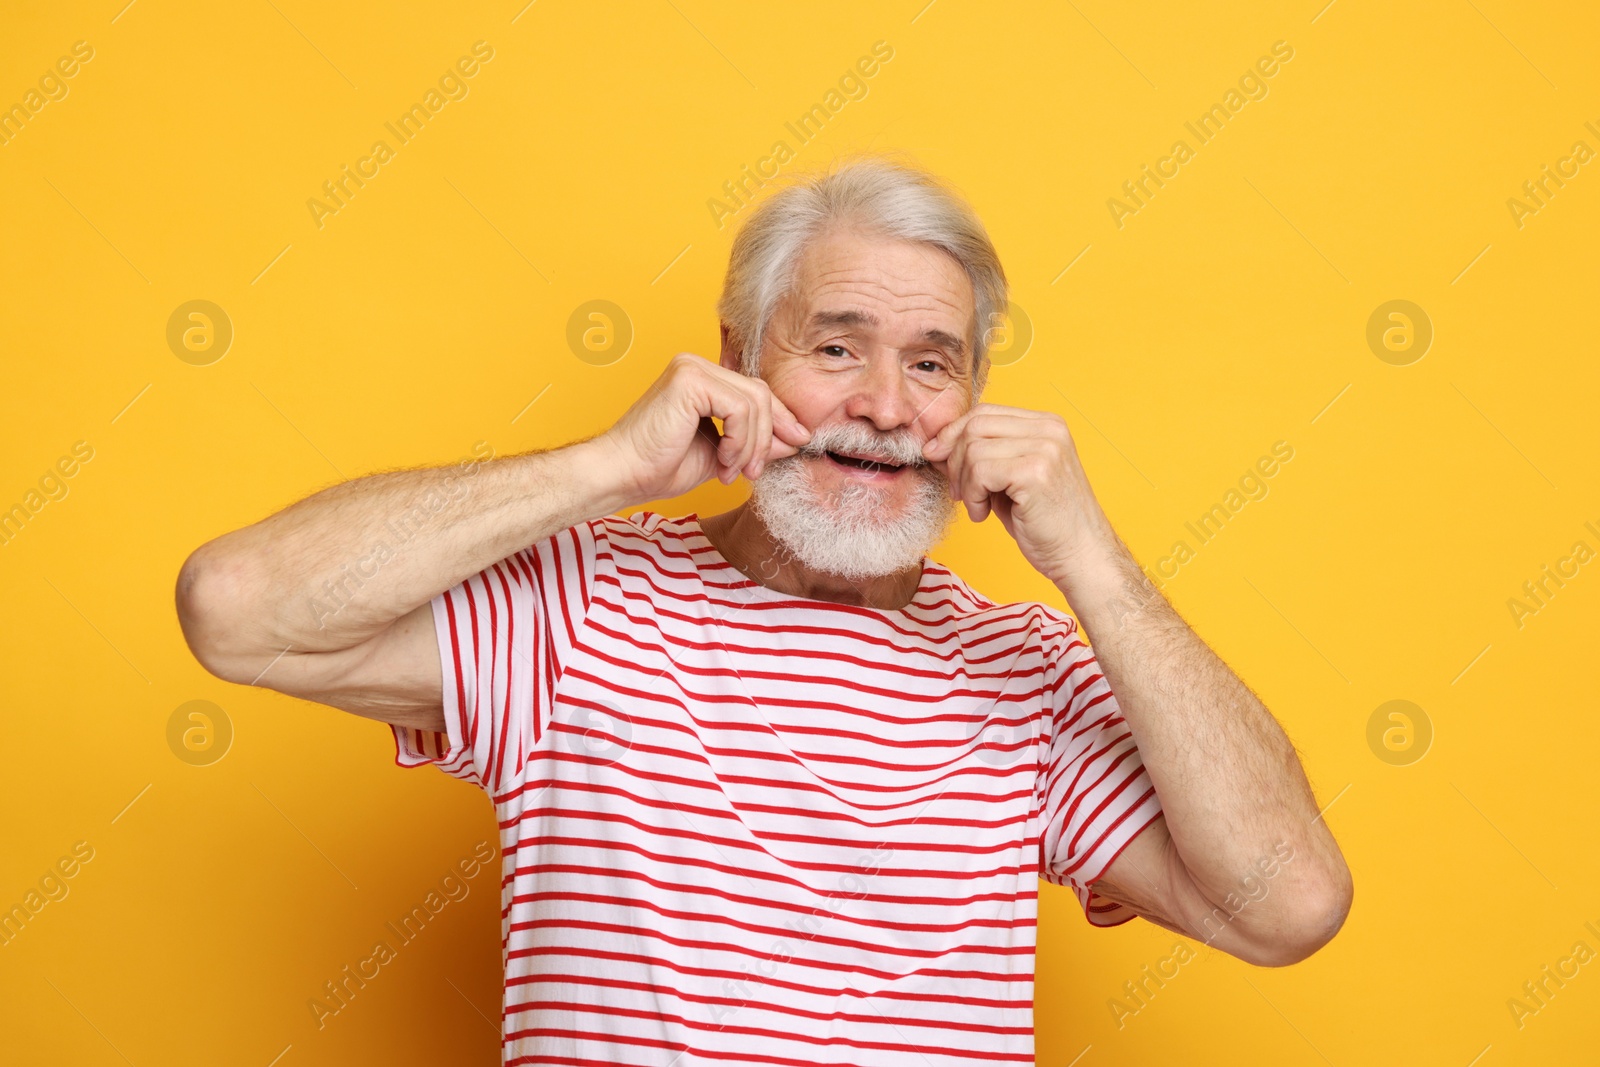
[[600, 531], [981, 603]]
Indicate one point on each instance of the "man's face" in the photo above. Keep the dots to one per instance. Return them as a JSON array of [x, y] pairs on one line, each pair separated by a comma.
[[871, 353]]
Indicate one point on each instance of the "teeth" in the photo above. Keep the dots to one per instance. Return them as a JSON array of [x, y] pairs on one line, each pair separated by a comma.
[[881, 461]]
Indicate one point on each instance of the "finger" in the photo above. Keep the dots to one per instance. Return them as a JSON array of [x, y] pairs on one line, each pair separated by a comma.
[[989, 469], [750, 438], [1004, 423], [708, 438], [708, 441], [964, 486], [738, 429], [724, 400], [955, 464], [786, 426], [1019, 413], [757, 441], [989, 449], [960, 460], [942, 444], [761, 440], [785, 432], [779, 450]]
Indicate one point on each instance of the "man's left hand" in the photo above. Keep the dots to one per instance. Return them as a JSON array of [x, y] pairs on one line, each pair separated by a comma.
[[1023, 466]]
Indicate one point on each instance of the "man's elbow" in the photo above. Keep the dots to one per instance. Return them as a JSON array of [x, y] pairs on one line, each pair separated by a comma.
[[1320, 918], [202, 599]]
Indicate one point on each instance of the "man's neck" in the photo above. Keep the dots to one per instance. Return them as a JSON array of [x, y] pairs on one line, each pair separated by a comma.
[[744, 541]]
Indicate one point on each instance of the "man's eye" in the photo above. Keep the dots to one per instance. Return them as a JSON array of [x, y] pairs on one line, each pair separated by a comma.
[[828, 348], [933, 363]]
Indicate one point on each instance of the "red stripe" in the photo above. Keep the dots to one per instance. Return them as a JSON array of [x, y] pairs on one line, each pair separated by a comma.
[[1020, 899], [675, 1046], [710, 784], [577, 1007], [618, 819], [535, 784], [467, 730], [829, 993], [584, 950], [821, 912], [1022, 979], [502, 692], [746, 872]]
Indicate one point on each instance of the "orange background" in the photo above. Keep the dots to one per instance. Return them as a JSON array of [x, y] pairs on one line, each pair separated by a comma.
[[431, 311]]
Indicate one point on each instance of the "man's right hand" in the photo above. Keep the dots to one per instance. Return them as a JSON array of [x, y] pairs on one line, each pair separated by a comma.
[[666, 443]]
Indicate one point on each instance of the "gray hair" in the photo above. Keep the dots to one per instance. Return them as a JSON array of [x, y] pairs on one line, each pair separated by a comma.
[[875, 194]]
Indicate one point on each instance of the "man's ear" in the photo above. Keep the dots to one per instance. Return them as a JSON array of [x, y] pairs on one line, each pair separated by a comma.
[[731, 357]]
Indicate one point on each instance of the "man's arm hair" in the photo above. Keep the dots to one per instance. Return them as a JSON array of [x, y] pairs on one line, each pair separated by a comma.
[[329, 599]]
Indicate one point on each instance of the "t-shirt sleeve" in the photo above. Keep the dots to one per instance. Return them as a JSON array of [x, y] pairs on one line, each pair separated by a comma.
[[503, 637], [1095, 795]]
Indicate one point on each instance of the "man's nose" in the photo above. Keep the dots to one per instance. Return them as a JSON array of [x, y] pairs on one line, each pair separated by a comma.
[[882, 393]]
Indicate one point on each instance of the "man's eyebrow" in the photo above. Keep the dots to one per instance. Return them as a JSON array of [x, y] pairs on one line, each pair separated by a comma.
[[854, 318]]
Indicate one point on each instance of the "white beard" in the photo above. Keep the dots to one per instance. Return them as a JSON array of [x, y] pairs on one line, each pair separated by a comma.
[[847, 532]]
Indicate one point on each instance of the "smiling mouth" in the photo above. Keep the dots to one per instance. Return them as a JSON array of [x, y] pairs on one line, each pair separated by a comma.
[[870, 465]]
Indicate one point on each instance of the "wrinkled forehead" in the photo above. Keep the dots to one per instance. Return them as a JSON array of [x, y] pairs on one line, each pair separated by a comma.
[[900, 292]]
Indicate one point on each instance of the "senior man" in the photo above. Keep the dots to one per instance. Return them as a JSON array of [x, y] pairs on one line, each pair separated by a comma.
[[773, 786]]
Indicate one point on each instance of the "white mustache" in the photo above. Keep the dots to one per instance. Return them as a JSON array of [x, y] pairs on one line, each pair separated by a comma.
[[903, 451]]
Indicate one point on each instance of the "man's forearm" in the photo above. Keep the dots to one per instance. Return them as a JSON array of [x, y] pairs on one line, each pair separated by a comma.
[[1230, 782], [332, 570]]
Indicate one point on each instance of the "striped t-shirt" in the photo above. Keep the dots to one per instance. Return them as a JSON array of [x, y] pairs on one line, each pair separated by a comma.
[[740, 826]]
